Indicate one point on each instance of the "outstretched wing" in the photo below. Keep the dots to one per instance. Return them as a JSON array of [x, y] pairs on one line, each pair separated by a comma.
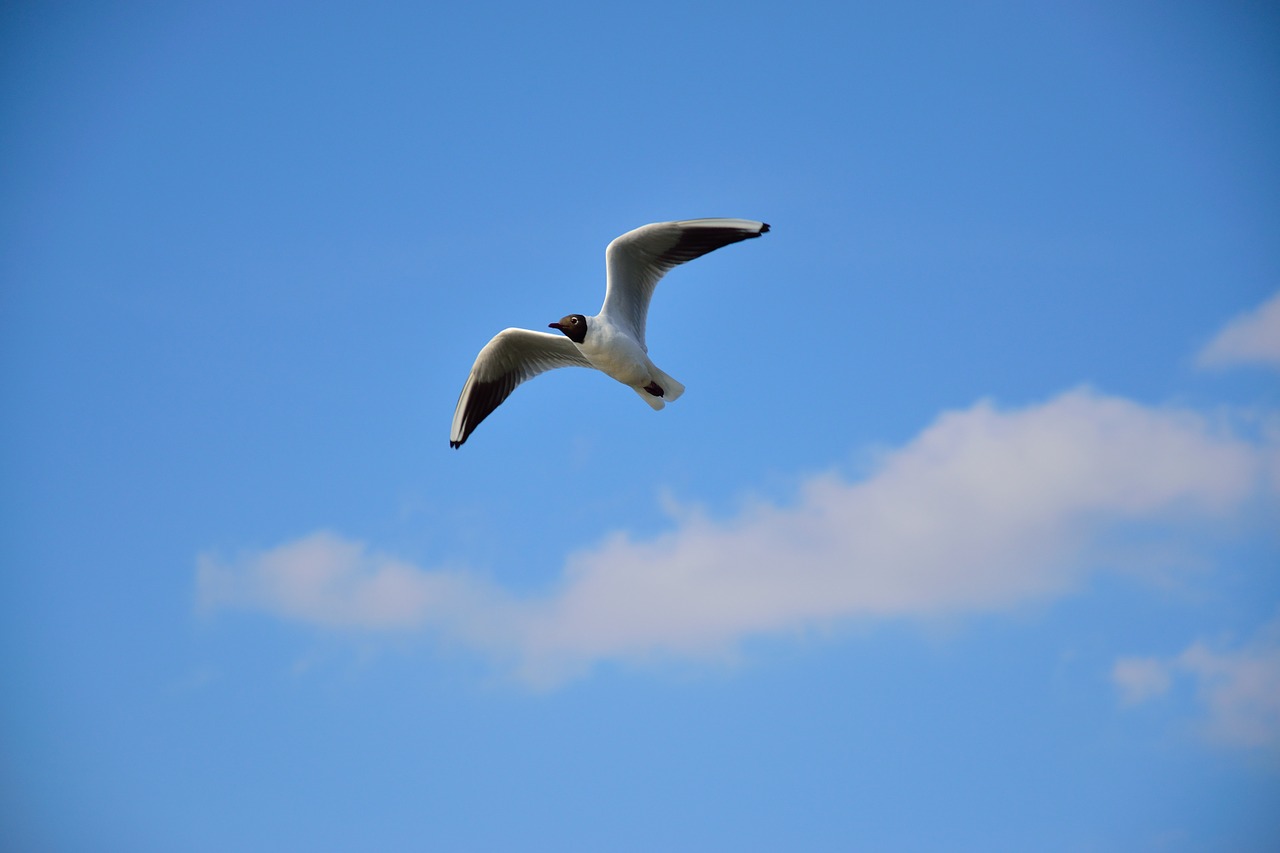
[[513, 356], [637, 260]]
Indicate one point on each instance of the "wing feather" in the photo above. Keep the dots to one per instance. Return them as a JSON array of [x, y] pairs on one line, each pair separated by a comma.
[[511, 357], [638, 260]]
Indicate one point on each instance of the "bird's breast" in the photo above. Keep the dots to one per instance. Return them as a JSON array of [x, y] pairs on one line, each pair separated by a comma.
[[617, 355]]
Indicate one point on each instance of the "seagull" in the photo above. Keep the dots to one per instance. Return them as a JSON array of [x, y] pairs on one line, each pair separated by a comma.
[[611, 341]]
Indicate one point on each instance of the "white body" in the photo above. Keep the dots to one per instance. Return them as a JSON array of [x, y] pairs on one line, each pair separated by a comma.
[[612, 350]]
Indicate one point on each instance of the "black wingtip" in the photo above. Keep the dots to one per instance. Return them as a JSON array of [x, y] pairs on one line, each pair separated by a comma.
[[455, 444], [764, 228]]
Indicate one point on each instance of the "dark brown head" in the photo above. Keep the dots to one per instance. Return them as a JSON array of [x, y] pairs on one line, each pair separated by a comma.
[[574, 327]]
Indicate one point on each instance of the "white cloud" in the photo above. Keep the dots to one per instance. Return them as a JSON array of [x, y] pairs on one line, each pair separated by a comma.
[[1239, 687], [985, 510], [326, 580], [1252, 338]]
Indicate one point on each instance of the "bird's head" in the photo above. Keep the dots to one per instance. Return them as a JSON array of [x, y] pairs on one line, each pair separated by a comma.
[[574, 327]]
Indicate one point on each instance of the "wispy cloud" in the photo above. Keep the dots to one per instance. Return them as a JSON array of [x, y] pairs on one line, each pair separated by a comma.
[[985, 510], [326, 580], [1238, 686], [1140, 679], [1252, 338]]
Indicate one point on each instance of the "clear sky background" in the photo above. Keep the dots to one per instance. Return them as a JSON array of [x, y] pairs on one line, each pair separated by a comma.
[[963, 537]]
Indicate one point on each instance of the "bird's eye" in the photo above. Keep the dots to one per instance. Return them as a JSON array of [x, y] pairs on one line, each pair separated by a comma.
[[575, 321]]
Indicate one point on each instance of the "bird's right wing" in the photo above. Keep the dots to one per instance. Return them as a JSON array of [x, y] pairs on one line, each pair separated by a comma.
[[513, 356]]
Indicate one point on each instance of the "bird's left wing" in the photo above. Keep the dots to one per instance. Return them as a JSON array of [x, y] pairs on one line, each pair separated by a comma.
[[513, 356], [638, 260]]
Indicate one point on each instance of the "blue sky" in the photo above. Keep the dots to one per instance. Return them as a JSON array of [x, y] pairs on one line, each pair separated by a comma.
[[963, 535]]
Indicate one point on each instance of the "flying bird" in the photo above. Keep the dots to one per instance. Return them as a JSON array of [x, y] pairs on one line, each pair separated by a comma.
[[611, 341]]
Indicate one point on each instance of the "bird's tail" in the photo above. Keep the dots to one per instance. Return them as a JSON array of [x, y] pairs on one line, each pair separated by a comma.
[[671, 389], [656, 402]]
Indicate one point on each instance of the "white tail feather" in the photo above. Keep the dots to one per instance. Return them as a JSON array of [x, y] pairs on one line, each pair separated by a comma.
[[656, 402], [671, 389]]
